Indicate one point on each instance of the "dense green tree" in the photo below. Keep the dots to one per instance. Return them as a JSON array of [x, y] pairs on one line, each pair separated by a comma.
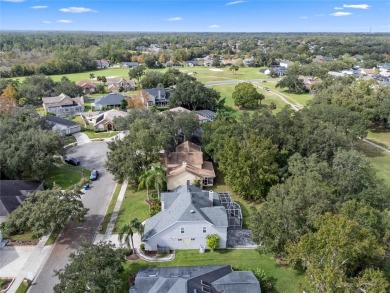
[[293, 83], [27, 146], [129, 157], [137, 72], [193, 95], [68, 88], [93, 268], [170, 77], [234, 68], [246, 95], [335, 254], [248, 164], [46, 210], [151, 79], [35, 87]]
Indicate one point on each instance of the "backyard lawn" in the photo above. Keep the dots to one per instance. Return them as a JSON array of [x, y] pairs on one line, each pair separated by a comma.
[[287, 279], [133, 206]]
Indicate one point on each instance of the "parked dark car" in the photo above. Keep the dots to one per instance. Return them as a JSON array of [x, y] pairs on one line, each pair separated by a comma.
[[73, 161], [94, 175]]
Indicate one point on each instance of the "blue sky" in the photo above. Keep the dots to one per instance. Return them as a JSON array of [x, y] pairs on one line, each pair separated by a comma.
[[197, 16]]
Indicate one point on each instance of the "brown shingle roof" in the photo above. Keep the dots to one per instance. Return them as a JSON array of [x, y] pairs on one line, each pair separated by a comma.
[[84, 83], [188, 147], [206, 171]]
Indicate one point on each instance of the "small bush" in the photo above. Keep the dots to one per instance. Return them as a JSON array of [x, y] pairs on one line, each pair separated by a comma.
[[267, 282], [155, 207], [212, 241], [142, 246]]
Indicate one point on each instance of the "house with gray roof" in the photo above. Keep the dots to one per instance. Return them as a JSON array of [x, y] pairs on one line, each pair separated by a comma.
[[188, 214], [14, 192], [129, 64], [63, 126], [157, 96], [110, 101], [195, 279]]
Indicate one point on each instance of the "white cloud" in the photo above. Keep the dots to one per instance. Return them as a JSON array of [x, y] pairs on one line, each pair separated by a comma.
[[357, 6], [177, 18], [214, 26], [64, 21], [341, 13], [46, 21], [303, 17], [14, 1], [39, 7], [77, 10], [235, 2], [338, 8]]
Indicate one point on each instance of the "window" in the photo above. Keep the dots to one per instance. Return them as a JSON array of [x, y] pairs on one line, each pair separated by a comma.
[[179, 239], [192, 239], [204, 230], [208, 181], [182, 230]]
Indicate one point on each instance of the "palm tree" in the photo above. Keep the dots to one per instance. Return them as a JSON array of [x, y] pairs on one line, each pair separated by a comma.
[[145, 180], [159, 177], [126, 233]]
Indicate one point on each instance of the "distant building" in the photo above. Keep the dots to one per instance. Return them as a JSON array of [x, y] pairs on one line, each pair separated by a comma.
[[101, 64], [63, 105], [88, 86], [129, 64], [195, 279], [157, 96]]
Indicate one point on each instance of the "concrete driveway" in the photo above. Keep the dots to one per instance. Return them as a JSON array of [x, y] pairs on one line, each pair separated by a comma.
[[92, 156], [81, 138]]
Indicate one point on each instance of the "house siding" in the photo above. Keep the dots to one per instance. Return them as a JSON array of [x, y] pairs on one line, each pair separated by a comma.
[[181, 179], [192, 230]]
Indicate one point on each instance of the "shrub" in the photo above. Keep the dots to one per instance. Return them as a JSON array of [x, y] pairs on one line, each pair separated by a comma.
[[267, 282], [155, 206], [142, 246], [212, 241]]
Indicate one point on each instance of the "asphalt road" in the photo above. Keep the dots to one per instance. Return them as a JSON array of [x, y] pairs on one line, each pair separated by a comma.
[[92, 156]]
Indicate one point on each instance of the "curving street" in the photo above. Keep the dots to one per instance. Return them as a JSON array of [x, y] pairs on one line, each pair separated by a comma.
[[92, 156]]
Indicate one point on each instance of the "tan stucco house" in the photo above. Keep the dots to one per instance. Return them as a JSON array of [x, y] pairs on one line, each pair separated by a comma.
[[186, 164]]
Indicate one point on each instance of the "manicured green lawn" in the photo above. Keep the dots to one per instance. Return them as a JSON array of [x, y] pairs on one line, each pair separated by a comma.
[[92, 134], [287, 279], [226, 92], [23, 237], [79, 120], [380, 160], [110, 209], [22, 288], [65, 175], [381, 138], [133, 206]]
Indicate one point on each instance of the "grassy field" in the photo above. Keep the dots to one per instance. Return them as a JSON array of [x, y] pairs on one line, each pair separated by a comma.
[[287, 279], [380, 160], [227, 90], [65, 175], [133, 206], [110, 209], [203, 74], [381, 138]]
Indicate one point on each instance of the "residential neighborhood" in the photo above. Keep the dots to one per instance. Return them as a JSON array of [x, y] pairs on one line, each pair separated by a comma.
[[194, 162]]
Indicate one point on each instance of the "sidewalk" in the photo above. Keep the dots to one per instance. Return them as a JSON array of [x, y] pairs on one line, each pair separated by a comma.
[[33, 264], [110, 227]]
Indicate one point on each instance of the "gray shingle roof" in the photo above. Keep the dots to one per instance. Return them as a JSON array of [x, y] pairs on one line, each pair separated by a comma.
[[185, 203], [13, 192], [59, 120], [110, 100], [210, 115], [191, 278]]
